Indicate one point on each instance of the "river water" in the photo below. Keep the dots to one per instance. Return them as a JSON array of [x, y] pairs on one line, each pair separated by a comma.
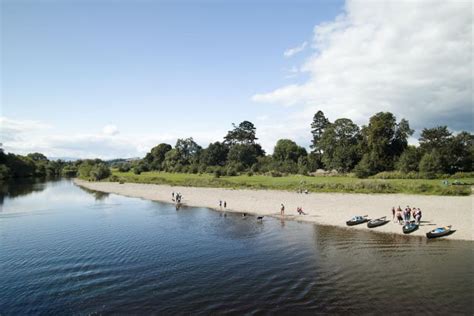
[[65, 250]]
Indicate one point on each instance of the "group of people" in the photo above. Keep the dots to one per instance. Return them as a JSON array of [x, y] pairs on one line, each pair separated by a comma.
[[404, 216], [176, 197], [222, 204]]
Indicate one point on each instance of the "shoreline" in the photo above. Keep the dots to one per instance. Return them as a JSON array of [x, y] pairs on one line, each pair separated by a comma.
[[332, 209]]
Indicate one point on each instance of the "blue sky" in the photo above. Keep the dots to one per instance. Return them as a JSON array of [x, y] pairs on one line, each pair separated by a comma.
[[114, 78]]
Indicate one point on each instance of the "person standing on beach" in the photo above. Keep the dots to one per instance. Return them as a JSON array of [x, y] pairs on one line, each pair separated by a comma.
[[282, 209], [220, 203], [393, 213], [225, 204]]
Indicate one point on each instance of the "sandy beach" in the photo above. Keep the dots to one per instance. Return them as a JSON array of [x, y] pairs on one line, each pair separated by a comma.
[[321, 208]]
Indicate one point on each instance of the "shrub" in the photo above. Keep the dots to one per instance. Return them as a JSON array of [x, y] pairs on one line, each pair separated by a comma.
[[275, 173], [431, 164], [231, 171], [100, 171], [4, 172], [363, 168], [124, 167]]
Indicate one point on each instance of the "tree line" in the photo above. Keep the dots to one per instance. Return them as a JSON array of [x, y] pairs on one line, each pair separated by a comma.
[[342, 145], [38, 165], [31, 165]]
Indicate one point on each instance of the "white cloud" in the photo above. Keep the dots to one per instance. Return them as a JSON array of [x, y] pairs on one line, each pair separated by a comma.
[[411, 58], [295, 50], [26, 136], [110, 130]]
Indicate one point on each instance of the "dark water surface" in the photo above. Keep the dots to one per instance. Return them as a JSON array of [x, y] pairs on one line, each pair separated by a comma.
[[64, 250]]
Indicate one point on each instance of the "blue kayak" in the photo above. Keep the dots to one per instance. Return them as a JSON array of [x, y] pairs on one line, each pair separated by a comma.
[[439, 232], [410, 227]]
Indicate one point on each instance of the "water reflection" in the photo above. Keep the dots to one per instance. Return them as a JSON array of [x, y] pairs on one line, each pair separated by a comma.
[[99, 196], [23, 186], [93, 254]]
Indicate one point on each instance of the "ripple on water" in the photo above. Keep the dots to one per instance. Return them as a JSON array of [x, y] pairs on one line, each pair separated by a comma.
[[121, 255]]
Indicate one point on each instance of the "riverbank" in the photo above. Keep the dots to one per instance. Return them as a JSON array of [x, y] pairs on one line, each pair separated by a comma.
[[317, 184], [321, 208]]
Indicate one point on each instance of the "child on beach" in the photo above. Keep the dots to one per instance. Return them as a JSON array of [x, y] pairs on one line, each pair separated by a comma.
[[300, 210], [282, 209]]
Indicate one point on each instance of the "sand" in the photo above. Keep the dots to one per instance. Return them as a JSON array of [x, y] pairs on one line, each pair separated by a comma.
[[322, 208]]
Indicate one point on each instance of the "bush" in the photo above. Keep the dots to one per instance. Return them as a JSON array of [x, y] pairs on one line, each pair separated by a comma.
[[249, 173], [124, 167], [397, 175], [463, 175], [137, 170], [4, 172], [217, 173], [100, 171], [431, 164], [363, 168], [231, 171], [275, 173]]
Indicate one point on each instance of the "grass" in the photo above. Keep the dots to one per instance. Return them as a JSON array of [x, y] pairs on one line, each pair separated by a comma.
[[295, 182]]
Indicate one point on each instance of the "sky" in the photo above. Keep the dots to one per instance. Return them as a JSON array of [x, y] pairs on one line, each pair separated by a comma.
[[112, 79]]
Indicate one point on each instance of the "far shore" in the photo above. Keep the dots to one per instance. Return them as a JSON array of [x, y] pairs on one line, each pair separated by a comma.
[[322, 208]]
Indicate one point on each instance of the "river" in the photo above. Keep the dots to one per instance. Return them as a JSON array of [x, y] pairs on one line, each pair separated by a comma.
[[66, 250]]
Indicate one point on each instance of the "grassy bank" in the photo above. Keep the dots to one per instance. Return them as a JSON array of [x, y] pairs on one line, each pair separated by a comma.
[[296, 182]]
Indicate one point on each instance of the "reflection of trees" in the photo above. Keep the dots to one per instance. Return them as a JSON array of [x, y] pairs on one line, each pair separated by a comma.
[[99, 196], [20, 187]]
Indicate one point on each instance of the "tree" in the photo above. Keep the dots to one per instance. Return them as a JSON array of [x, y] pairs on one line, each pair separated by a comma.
[[187, 150], [339, 144], [242, 134], [385, 140], [435, 138], [172, 161], [99, 171], [245, 154], [288, 150], [431, 164], [400, 140], [318, 126], [156, 156], [409, 160], [37, 157], [215, 154], [461, 152]]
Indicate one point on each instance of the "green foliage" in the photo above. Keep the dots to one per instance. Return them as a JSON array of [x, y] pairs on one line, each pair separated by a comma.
[[85, 168], [318, 126], [215, 154], [125, 167], [245, 154], [385, 140], [156, 156], [99, 171], [4, 172], [339, 144], [409, 160], [69, 171], [431, 164], [364, 168], [243, 134], [288, 150], [326, 183]]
